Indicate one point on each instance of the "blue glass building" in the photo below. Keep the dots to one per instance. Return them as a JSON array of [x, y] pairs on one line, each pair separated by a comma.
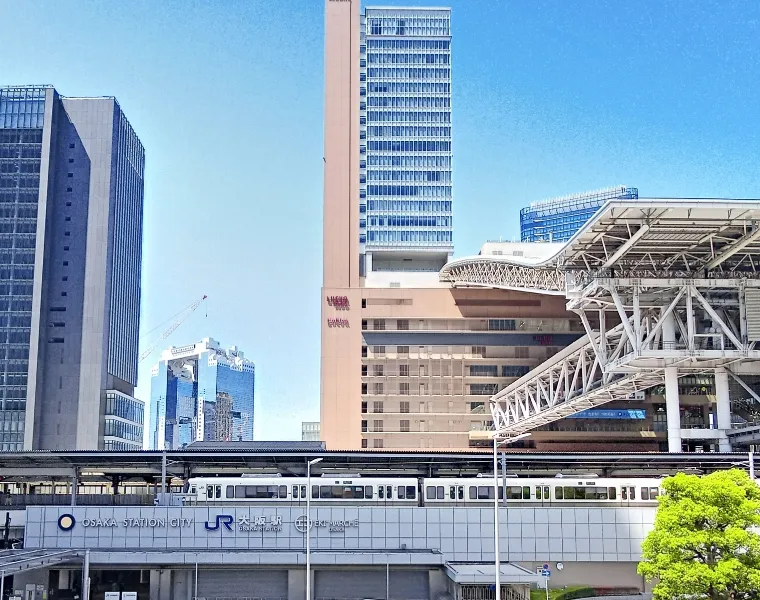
[[405, 183], [201, 392], [71, 208], [557, 220]]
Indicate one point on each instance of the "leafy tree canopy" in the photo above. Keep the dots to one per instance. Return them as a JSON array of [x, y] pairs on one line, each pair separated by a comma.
[[703, 544]]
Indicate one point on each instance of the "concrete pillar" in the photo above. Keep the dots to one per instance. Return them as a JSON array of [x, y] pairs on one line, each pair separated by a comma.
[[183, 583], [297, 584], [673, 409], [722, 408]]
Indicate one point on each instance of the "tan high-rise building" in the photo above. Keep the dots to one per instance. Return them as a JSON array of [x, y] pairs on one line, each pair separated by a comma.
[[407, 361]]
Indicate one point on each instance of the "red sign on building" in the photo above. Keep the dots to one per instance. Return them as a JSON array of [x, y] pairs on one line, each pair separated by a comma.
[[339, 302]]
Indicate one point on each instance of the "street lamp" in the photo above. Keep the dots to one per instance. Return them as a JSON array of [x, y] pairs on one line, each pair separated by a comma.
[[497, 558], [308, 525]]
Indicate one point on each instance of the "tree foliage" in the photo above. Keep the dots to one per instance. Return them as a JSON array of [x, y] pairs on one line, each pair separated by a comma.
[[703, 544]]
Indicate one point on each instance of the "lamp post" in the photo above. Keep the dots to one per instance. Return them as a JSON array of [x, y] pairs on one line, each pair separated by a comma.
[[308, 525]]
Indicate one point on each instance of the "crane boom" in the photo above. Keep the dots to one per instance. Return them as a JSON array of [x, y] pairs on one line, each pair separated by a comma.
[[172, 327]]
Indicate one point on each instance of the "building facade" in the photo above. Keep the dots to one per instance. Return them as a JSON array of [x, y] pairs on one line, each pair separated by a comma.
[[310, 431], [405, 174], [71, 209], [558, 219], [201, 392]]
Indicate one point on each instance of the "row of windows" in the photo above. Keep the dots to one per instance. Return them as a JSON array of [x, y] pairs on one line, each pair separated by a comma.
[[19, 151], [126, 408], [440, 191], [120, 429], [20, 211], [121, 446], [32, 166], [398, 116], [358, 492], [13, 181], [407, 161], [408, 87], [411, 58], [18, 196], [415, 146], [16, 258], [486, 492], [18, 241], [17, 304], [433, 176], [408, 73], [15, 320], [410, 101], [409, 236], [410, 26], [426, 206], [20, 136], [407, 131], [408, 44], [399, 221]]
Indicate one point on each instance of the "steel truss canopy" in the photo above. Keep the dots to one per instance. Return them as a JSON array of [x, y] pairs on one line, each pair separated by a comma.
[[658, 283]]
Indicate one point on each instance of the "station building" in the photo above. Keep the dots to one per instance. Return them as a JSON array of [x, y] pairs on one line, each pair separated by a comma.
[[162, 546]]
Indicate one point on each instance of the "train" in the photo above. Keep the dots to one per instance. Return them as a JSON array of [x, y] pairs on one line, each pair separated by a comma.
[[342, 490]]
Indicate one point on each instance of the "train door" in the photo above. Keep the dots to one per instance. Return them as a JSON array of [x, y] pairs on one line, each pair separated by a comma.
[[627, 494]]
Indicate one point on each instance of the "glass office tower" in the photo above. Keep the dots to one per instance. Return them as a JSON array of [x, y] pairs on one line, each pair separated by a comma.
[[558, 219], [405, 183], [71, 204], [201, 392]]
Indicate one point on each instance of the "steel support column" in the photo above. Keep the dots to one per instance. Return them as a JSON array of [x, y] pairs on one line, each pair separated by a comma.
[[722, 408]]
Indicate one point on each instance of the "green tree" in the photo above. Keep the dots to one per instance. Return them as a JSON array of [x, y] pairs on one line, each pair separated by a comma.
[[703, 544]]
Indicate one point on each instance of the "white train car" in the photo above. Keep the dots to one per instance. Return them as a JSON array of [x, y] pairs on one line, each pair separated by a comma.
[[325, 490]]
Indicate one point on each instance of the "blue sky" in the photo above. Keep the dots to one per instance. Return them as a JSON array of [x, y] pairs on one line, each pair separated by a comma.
[[550, 97]]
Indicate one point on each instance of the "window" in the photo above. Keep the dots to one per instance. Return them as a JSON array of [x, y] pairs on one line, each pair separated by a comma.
[[377, 388], [71, 145], [67, 219], [364, 445], [68, 189], [404, 426], [364, 303], [71, 174], [645, 493], [230, 491], [478, 351], [66, 248], [364, 351], [377, 370], [378, 324], [403, 389], [67, 233], [71, 160], [64, 294], [364, 370], [378, 350], [364, 426], [295, 492], [364, 388], [364, 407], [403, 350], [407, 492], [402, 324], [483, 389], [403, 406], [377, 443], [68, 204], [364, 324], [501, 324], [377, 407], [403, 370], [522, 352], [484, 370], [65, 263], [377, 425], [368, 491]]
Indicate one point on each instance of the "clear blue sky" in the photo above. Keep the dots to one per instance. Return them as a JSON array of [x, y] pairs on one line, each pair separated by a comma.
[[550, 97]]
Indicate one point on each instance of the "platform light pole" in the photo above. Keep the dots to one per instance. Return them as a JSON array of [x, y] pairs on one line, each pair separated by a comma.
[[308, 525]]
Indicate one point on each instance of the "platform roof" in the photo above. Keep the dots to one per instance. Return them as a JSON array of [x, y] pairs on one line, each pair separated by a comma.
[[100, 466]]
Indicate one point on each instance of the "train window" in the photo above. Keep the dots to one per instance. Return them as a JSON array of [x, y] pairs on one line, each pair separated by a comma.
[[546, 492], [515, 493], [501, 492], [380, 492], [612, 493], [368, 491], [303, 491], [632, 494], [295, 492], [439, 492], [653, 493], [645, 493], [485, 492], [230, 491], [315, 491], [388, 492], [192, 490], [473, 493], [430, 493], [538, 493], [219, 491], [452, 492], [358, 492], [526, 493], [558, 493], [401, 492], [461, 492], [283, 491], [411, 492], [210, 491], [624, 493]]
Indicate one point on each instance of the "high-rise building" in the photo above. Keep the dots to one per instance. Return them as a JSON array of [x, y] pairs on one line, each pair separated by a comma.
[[71, 209], [201, 393], [310, 431], [558, 219], [405, 183]]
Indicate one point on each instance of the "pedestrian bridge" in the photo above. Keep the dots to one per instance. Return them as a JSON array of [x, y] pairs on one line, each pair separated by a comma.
[[664, 287]]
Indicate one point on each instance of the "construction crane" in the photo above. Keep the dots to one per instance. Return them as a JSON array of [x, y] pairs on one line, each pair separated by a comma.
[[180, 318]]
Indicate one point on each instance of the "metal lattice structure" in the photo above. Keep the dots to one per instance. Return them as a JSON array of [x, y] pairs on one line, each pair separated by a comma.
[[663, 287]]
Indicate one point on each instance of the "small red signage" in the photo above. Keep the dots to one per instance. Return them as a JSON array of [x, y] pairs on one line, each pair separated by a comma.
[[339, 302], [337, 322]]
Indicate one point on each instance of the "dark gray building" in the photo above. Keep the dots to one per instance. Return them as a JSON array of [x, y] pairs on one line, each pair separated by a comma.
[[71, 209]]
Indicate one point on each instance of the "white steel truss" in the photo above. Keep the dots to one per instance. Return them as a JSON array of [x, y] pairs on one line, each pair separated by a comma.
[[494, 272]]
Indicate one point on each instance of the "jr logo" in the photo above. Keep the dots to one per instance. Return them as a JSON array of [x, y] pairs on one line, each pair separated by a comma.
[[225, 520]]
